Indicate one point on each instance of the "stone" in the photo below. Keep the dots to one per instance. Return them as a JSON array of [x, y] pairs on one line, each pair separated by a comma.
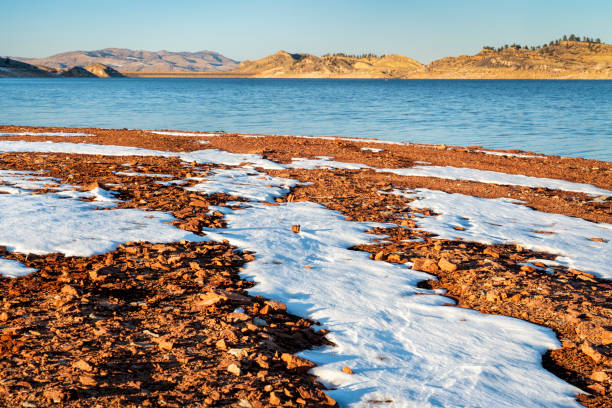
[[394, 258], [274, 399], [234, 369], [88, 380], [591, 351], [83, 365], [221, 345], [446, 265], [4, 316], [238, 353], [347, 370], [295, 228], [276, 305], [599, 376], [297, 363], [54, 395], [70, 291], [259, 322], [425, 265]]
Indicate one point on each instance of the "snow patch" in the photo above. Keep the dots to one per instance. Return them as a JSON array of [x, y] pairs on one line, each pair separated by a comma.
[[13, 269], [401, 344], [372, 149], [529, 156], [159, 132], [244, 182], [503, 221], [61, 134], [486, 176]]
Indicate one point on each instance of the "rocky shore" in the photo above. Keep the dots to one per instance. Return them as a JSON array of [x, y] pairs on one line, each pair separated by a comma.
[[179, 323]]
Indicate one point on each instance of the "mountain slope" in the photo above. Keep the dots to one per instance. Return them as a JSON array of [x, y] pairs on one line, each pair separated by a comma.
[[125, 60], [10, 68], [567, 59], [283, 65]]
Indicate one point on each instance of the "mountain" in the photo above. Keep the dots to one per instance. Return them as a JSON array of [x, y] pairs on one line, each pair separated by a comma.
[[125, 60], [286, 65], [557, 60], [102, 71], [10, 68], [560, 60]]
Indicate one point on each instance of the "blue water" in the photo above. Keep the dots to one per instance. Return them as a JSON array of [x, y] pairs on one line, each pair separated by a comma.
[[572, 118]]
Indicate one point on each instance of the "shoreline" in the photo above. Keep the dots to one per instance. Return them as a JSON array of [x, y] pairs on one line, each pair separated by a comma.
[[362, 185]]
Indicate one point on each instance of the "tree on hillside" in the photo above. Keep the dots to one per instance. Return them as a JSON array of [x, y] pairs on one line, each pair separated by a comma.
[[564, 37]]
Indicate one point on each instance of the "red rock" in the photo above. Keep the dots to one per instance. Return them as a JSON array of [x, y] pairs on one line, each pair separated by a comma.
[[297, 363], [347, 370], [69, 290], [295, 228], [446, 265], [221, 345], [591, 351], [88, 380], [276, 305], [425, 265], [600, 376], [394, 258], [274, 399], [234, 369], [83, 365], [54, 395]]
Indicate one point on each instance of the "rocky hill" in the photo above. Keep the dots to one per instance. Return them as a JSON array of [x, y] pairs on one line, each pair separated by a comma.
[[102, 71], [125, 60], [286, 65], [561, 60], [557, 60], [10, 68]]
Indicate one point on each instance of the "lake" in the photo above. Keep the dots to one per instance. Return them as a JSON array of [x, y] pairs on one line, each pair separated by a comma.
[[571, 118]]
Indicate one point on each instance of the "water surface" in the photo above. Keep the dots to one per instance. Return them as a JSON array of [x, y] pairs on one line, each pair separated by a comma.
[[572, 118]]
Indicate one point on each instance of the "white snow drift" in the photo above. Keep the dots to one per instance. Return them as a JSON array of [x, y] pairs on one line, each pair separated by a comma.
[[501, 221], [401, 343]]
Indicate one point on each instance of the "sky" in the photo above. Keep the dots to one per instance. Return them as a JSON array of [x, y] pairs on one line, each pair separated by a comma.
[[247, 29]]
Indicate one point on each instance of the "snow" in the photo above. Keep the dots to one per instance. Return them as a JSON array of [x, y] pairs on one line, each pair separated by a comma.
[[63, 222], [62, 134], [229, 159], [136, 174], [486, 176], [13, 269], [502, 220], [323, 163], [13, 181], [372, 149], [158, 132], [236, 159], [45, 223], [243, 182], [401, 343], [528, 156], [11, 146]]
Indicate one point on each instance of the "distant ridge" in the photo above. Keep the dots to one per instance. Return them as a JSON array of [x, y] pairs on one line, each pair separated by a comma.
[[10, 68], [567, 58], [126, 60], [286, 65], [556, 60]]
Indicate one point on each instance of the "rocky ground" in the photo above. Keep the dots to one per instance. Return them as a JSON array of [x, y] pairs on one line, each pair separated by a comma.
[[174, 325]]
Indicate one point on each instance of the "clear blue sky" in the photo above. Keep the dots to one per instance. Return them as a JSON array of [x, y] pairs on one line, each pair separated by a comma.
[[249, 29]]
